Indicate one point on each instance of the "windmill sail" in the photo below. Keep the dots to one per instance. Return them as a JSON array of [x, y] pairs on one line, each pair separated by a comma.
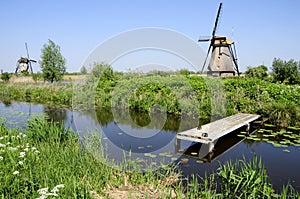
[[223, 57], [24, 63]]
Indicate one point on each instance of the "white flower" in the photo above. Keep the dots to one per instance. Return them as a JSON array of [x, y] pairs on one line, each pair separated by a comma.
[[8, 143], [1, 158], [20, 162], [43, 191], [2, 145], [26, 149], [22, 154], [36, 151], [1, 138], [33, 148], [13, 136], [16, 172], [56, 188], [12, 148]]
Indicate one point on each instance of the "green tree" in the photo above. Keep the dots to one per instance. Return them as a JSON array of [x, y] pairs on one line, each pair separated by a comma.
[[102, 71], [5, 76], [285, 70], [257, 72], [52, 62], [185, 72], [83, 70]]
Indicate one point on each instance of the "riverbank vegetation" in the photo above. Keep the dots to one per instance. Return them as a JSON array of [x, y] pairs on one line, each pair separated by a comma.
[[174, 94], [47, 159]]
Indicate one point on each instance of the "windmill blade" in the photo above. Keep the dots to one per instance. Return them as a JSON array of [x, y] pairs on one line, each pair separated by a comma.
[[30, 67], [27, 51], [217, 20], [202, 40], [32, 60], [29, 58], [234, 58], [205, 59]]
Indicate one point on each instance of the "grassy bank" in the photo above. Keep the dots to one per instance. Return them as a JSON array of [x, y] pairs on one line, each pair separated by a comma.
[[44, 93], [181, 95], [48, 160]]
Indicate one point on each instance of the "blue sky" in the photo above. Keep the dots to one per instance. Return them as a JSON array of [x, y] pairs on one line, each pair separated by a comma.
[[261, 30]]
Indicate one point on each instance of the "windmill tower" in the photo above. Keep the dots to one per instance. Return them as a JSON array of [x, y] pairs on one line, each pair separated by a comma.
[[24, 63], [223, 57]]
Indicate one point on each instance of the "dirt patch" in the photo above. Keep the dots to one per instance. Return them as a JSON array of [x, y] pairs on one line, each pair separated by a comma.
[[163, 189]]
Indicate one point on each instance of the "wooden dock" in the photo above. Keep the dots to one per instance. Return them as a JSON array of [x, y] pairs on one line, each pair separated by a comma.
[[211, 132]]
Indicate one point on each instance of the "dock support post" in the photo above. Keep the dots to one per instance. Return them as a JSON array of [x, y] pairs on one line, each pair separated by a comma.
[[211, 146], [248, 127], [177, 144]]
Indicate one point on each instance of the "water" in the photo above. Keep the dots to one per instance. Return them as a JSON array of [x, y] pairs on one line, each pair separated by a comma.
[[151, 138]]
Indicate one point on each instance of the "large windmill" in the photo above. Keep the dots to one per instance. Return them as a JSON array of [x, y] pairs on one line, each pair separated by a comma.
[[223, 58], [24, 63]]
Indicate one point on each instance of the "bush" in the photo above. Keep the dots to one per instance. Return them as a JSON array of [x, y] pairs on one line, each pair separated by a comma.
[[257, 72], [101, 71], [5, 76]]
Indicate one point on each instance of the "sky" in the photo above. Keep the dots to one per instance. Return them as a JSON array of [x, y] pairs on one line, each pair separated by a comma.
[[261, 30]]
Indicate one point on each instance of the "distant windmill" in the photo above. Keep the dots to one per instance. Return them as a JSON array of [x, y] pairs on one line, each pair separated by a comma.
[[223, 57], [24, 63]]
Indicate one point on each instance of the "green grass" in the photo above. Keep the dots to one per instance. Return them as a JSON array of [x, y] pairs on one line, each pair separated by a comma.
[[47, 159], [181, 95]]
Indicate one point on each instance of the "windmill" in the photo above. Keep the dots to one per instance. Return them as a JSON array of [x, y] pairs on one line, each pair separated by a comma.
[[24, 63], [223, 56]]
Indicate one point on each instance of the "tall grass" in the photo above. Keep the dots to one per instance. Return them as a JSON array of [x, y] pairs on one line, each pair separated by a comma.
[[49, 160], [174, 94], [47, 156]]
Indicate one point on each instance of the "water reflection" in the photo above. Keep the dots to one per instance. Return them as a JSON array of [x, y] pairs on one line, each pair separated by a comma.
[[6, 103], [282, 167], [55, 114], [201, 152]]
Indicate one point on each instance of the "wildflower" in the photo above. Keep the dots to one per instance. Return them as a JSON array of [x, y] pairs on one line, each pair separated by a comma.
[[8, 143], [36, 151], [33, 148], [12, 148], [1, 158], [1, 138], [16, 172], [56, 188], [22, 154], [43, 191], [2, 145], [20, 162], [26, 149]]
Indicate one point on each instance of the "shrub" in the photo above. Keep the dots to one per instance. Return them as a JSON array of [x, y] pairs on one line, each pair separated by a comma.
[[257, 72], [5, 76]]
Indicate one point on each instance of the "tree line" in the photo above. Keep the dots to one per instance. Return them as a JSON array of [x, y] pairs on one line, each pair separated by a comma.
[[282, 71]]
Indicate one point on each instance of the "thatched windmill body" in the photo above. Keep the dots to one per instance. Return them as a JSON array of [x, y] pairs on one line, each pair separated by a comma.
[[223, 57], [24, 63]]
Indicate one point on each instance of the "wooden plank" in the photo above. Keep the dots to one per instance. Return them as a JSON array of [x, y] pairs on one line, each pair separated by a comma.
[[214, 130]]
